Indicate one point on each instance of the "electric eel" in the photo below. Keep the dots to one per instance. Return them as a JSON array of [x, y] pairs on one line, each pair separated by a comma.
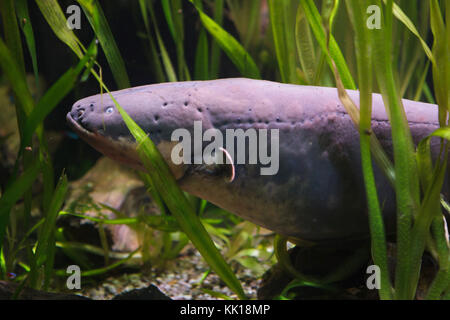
[[316, 191]]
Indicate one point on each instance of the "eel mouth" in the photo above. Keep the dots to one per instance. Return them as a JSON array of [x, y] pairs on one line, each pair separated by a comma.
[[119, 150], [122, 149], [84, 133]]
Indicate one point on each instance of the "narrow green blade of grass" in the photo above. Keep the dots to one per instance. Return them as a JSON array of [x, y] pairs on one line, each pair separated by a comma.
[[179, 206], [27, 29], [406, 182], [202, 57], [169, 19], [421, 82], [403, 18], [238, 55], [364, 62], [216, 294], [283, 36], [215, 48], [442, 279], [430, 212], [175, 11], [27, 235], [11, 31], [428, 94], [441, 52], [97, 19], [56, 19], [156, 197], [154, 57], [13, 66], [178, 20], [162, 223], [305, 46], [99, 271], [54, 95], [13, 193], [440, 283], [45, 235], [45, 251], [442, 241], [201, 64], [3, 269], [314, 20], [167, 63], [16, 78], [126, 221]]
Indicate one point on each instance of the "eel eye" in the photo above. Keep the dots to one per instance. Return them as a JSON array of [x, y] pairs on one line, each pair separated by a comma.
[[109, 110]]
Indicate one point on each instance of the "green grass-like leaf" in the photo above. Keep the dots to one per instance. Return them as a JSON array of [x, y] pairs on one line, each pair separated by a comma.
[[56, 19], [364, 61], [406, 183], [99, 271], [167, 63], [46, 240], [305, 46], [238, 55], [283, 34], [13, 193], [96, 18], [27, 29], [335, 53]]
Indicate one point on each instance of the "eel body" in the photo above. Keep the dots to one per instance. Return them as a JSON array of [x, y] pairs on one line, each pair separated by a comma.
[[317, 193]]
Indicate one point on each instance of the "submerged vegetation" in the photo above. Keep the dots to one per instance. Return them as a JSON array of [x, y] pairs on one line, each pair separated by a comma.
[[398, 48]]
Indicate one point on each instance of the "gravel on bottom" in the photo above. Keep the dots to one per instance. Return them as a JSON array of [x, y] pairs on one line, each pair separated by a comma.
[[180, 280]]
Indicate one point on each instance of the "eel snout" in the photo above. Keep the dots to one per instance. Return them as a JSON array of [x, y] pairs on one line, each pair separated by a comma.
[[97, 121]]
